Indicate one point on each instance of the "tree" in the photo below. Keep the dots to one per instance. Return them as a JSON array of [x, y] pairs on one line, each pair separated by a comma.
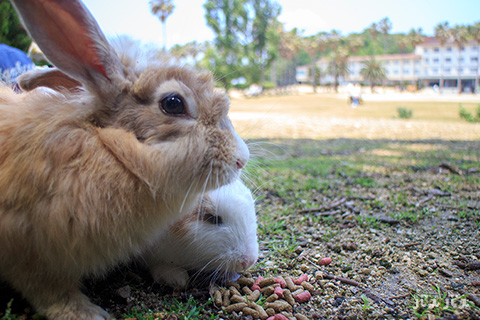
[[228, 20], [384, 25], [162, 9], [373, 72], [258, 32], [373, 31], [314, 46], [460, 36], [442, 33], [338, 65], [11, 31], [289, 45]]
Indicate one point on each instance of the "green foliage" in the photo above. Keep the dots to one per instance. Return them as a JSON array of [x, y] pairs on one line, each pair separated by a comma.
[[404, 113], [184, 310], [467, 116], [373, 72], [8, 312], [245, 39], [11, 31]]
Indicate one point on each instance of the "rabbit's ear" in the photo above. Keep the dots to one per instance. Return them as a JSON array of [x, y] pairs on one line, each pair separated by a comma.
[[51, 78], [70, 38]]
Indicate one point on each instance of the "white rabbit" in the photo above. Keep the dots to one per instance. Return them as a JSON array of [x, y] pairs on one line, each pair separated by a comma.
[[87, 177], [219, 237]]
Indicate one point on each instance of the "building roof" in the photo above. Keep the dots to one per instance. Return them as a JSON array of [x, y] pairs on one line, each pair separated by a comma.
[[433, 41]]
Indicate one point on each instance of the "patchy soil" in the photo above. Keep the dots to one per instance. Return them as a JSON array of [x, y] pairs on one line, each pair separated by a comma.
[[399, 219], [395, 204]]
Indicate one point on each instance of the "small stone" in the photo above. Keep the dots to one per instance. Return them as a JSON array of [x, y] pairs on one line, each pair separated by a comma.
[[365, 271], [349, 246], [124, 292], [304, 268]]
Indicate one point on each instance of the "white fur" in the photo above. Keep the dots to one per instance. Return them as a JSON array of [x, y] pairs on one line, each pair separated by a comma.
[[229, 247]]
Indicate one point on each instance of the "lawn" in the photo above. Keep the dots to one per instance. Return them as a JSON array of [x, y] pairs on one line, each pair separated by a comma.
[[394, 203]]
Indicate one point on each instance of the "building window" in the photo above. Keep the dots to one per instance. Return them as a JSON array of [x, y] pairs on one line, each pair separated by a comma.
[[435, 70], [396, 62], [449, 49], [435, 60], [475, 48], [426, 60], [448, 60], [417, 71], [462, 49], [406, 71], [474, 59], [447, 70], [473, 70], [460, 70], [426, 50], [460, 59], [395, 71], [436, 49]]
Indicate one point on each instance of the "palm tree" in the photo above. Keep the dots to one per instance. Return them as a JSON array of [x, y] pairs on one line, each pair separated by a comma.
[[442, 33], [373, 30], [385, 25], [338, 66], [373, 72], [162, 9], [460, 36], [474, 33], [288, 47], [315, 45]]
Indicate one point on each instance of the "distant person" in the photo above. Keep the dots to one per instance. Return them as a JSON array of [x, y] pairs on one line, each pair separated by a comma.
[[13, 62], [355, 94]]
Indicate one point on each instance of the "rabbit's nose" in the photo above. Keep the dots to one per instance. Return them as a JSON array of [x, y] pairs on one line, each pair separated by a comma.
[[245, 262], [242, 153]]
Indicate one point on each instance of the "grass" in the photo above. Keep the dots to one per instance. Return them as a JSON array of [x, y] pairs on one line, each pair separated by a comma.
[[184, 310]]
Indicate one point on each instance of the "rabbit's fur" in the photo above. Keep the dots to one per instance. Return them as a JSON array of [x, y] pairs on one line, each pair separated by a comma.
[[218, 237], [87, 177]]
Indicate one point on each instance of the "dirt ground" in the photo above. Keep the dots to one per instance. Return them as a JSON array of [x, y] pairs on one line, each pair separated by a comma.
[[394, 203]]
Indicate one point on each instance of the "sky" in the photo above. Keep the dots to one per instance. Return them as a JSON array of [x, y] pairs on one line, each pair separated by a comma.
[[187, 23]]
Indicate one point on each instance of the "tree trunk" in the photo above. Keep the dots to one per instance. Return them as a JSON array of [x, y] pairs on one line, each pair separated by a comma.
[[314, 76], [275, 72]]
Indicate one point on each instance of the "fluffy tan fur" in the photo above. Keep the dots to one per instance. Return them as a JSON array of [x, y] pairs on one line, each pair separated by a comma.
[[91, 170], [77, 197]]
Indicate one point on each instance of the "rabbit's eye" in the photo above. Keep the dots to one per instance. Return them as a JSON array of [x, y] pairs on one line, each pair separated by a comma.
[[173, 104], [213, 219]]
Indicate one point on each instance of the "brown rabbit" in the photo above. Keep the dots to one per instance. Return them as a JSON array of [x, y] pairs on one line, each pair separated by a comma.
[[88, 177]]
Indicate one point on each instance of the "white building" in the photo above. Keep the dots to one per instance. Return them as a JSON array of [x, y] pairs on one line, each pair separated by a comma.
[[431, 64]]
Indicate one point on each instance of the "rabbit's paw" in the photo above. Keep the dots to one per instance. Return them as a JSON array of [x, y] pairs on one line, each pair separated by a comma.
[[77, 308], [174, 277]]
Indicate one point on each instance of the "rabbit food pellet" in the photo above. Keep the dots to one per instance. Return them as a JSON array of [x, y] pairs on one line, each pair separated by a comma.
[[278, 296]]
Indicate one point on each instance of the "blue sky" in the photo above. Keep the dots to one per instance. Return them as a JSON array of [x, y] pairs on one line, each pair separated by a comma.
[[187, 23]]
